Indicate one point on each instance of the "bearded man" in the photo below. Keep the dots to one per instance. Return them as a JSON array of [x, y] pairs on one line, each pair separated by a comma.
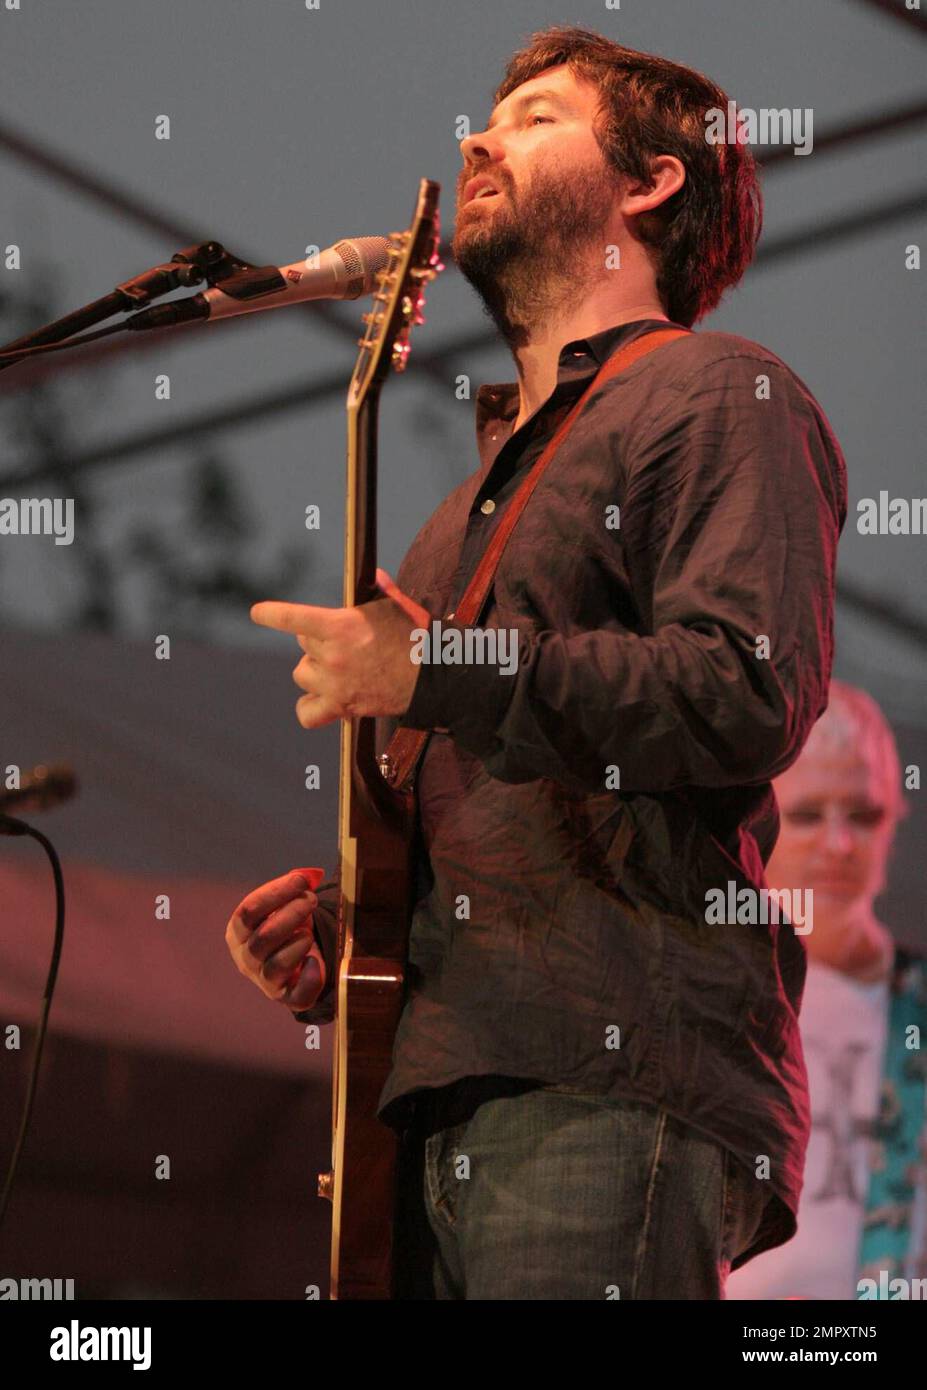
[[601, 1093]]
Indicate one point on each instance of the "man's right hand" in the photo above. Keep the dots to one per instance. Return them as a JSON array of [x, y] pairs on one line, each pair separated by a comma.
[[270, 938]]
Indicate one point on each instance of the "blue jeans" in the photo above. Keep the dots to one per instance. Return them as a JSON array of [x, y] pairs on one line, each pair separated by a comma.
[[553, 1194]]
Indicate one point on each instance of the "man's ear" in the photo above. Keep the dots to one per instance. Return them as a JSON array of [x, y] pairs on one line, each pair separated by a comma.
[[667, 176]]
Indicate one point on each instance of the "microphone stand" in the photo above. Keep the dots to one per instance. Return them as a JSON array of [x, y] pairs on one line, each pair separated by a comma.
[[208, 261]]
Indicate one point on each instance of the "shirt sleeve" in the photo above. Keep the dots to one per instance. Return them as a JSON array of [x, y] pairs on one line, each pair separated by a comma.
[[732, 510]]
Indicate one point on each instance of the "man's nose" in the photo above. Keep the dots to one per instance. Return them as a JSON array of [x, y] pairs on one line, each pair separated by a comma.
[[838, 835], [482, 148]]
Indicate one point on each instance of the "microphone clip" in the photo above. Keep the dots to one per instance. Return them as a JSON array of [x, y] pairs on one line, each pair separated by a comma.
[[207, 261]]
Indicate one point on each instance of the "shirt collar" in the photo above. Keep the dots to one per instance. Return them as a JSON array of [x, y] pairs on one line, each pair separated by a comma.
[[579, 359]]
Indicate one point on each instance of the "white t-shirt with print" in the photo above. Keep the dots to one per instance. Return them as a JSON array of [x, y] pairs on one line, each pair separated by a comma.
[[843, 1027]]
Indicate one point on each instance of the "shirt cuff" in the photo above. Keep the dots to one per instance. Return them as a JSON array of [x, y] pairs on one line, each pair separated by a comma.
[[467, 700]]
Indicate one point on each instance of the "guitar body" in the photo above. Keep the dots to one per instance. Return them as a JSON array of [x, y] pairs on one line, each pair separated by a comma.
[[373, 937], [375, 829]]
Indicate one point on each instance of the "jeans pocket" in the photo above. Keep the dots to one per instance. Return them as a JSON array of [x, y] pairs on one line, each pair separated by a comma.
[[440, 1178], [742, 1204]]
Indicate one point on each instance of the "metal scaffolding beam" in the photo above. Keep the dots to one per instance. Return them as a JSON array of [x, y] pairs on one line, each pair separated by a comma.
[[439, 362], [898, 10], [435, 363], [133, 209], [320, 311]]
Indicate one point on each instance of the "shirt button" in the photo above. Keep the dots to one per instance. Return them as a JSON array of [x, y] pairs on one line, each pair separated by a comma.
[[488, 506]]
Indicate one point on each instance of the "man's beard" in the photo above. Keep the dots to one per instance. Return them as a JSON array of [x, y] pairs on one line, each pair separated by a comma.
[[537, 250]]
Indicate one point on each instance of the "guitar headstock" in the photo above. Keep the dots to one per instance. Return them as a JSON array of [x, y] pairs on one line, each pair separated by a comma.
[[413, 263]]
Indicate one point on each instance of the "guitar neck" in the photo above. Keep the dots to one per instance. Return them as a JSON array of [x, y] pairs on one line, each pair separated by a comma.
[[374, 825], [360, 550]]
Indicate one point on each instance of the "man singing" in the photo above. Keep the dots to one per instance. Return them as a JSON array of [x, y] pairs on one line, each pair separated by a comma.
[[600, 1086]]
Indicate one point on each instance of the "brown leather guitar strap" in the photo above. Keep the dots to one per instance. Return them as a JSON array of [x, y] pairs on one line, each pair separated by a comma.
[[406, 746]]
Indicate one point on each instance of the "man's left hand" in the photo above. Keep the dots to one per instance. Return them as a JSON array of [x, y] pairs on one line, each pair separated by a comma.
[[357, 660]]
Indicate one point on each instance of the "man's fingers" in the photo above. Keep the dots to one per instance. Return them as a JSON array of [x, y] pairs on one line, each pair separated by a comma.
[[270, 936], [299, 618], [418, 615], [278, 967], [252, 909], [308, 676], [387, 583], [314, 711], [307, 982], [277, 929], [314, 876]]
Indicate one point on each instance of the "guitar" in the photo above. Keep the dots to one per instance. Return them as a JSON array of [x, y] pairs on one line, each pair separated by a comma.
[[374, 822]]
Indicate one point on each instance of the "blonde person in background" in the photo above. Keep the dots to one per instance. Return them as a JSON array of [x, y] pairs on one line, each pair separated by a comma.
[[863, 1023]]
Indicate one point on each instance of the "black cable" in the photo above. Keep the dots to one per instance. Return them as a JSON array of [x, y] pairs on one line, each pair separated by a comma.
[[9, 825]]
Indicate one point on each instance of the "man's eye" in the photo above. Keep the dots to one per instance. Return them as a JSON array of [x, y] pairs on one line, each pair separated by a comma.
[[538, 117], [870, 815]]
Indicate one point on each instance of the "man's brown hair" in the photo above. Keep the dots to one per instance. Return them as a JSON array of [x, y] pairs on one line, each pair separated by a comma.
[[704, 236]]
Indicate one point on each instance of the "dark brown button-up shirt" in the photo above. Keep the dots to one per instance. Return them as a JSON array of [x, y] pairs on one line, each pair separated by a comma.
[[669, 588]]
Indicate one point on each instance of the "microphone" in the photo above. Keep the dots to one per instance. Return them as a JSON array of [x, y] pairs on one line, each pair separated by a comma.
[[40, 788], [343, 271]]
